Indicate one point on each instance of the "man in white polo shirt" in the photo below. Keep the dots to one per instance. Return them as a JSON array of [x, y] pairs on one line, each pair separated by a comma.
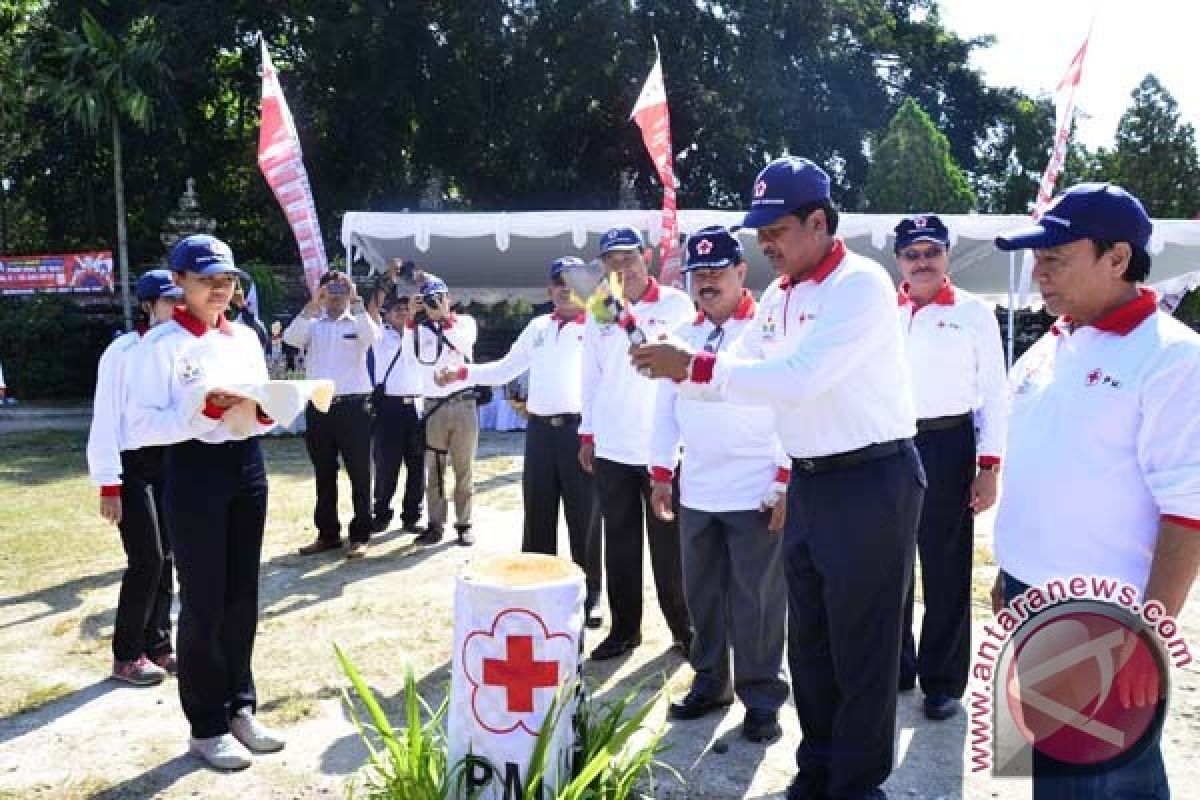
[[551, 349], [957, 360], [1102, 470], [618, 408], [827, 352], [732, 487]]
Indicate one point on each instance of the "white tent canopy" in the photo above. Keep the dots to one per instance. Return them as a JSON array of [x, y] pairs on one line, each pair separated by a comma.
[[492, 255]]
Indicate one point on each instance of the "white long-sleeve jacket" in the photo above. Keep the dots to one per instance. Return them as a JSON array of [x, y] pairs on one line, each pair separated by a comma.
[[618, 403], [175, 366], [107, 436]]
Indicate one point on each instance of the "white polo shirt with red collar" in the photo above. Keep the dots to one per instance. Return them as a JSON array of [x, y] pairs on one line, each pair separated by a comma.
[[107, 435], [1103, 444], [551, 348], [618, 403], [827, 352], [445, 344], [956, 356], [175, 365], [732, 452]]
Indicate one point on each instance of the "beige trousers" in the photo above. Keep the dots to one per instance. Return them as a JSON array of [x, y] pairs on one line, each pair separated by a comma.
[[451, 435]]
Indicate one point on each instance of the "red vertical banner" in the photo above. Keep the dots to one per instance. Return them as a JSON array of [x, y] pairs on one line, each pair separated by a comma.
[[652, 116], [1064, 112], [282, 164]]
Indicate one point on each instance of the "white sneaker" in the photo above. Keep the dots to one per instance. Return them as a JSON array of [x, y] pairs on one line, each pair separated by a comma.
[[257, 737], [222, 752]]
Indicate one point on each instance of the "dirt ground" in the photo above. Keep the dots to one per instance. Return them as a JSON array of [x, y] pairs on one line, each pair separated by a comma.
[[68, 732]]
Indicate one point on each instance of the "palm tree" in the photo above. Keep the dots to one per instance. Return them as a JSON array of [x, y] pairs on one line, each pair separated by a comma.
[[93, 79]]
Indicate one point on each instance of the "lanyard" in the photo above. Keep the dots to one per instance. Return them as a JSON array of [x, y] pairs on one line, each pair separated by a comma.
[[713, 343]]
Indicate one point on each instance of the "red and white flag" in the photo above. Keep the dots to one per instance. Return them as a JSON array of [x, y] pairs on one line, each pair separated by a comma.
[[1064, 112], [651, 115], [282, 164]]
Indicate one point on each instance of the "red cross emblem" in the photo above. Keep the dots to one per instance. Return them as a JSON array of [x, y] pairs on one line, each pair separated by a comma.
[[1093, 377], [520, 673], [760, 188], [703, 247], [506, 666], [919, 222]]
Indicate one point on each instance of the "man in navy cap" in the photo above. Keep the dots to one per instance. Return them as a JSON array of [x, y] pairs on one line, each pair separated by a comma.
[[551, 349], [957, 360], [618, 410], [1102, 474], [732, 488], [826, 351]]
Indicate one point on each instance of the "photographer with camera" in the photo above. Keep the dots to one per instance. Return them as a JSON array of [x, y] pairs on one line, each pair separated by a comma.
[[336, 331], [444, 340]]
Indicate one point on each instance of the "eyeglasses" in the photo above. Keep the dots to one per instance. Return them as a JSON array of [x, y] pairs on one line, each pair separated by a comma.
[[918, 254]]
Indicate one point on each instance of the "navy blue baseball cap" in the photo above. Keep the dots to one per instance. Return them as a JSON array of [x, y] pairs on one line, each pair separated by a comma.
[[713, 247], [562, 264], [157, 283], [202, 254], [621, 238], [785, 184], [1101, 211], [432, 285], [921, 228]]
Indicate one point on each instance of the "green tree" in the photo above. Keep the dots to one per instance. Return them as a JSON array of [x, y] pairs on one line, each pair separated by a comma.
[[1155, 154], [95, 79], [912, 169]]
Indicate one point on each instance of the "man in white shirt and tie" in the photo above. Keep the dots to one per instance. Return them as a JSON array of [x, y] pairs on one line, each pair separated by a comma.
[[551, 349], [336, 332]]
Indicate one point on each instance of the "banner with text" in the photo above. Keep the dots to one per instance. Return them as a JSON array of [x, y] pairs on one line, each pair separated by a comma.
[[62, 273]]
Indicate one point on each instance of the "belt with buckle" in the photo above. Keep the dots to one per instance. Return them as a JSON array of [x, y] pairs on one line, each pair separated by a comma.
[[850, 458], [342, 398], [557, 420], [943, 423], [407, 399]]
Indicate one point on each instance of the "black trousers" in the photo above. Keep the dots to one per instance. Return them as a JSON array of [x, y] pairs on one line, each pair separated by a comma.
[[398, 440], [215, 501], [624, 493], [944, 542], [344, 432], [143, 624], [552, 472], [848, 554]]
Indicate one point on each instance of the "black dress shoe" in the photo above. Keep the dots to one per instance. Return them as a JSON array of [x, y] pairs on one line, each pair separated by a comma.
[[381, 522], [695, 705], [411, 527], [613, 647], [465, 537], [940, 706], [806, 787], [320, 545], [430, 536], [761, 726], [593, 617]]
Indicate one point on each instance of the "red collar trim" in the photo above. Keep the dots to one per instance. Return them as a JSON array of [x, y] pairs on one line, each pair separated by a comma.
[[944, 296], [581, 318], [448, 322], [410, 325], [141, 328], [745, 309], [652, 292], [822, 270], [1121, 320], [195, 326]]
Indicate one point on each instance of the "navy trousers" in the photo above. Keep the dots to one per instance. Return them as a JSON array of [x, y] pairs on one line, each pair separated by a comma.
[[215, 501], [945, 537], [848, 554], [553, 473], [143, 624], [398, 440]]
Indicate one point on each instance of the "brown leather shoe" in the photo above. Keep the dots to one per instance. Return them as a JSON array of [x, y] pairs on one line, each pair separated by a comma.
[[319, 545], [357, 550]]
